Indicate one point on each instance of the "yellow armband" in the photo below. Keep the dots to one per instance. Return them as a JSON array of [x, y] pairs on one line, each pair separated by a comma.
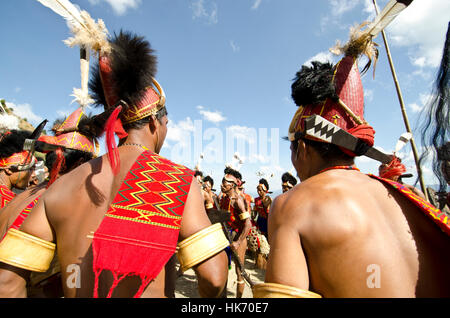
[[272, 290], [244, 216], [209, 206], [26, 251], [201, 246]]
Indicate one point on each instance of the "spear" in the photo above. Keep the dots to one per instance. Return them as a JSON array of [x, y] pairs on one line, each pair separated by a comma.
[[402, 106]]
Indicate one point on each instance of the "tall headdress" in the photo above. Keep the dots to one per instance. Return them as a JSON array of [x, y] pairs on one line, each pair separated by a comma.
[[331, 98], [70, 134], [88, 35], [124, 83]]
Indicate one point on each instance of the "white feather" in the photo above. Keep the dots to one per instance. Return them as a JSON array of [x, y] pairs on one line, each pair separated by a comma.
[[382, 20], [65, 9], [199, 162], [402, 141]]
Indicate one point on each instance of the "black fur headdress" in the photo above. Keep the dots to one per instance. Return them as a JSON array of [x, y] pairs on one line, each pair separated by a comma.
[[312, 85], [12, 142]]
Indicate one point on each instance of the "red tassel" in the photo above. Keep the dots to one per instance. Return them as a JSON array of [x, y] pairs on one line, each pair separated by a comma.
[[110, 129], [57, 166], [394, 169]]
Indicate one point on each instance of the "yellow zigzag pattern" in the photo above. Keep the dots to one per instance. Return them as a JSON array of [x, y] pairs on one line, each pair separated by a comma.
[[143, 214]]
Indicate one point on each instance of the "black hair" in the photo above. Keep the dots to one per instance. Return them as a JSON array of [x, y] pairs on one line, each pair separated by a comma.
[[198, 173], [209, 179], [134, 66], [325, 150], [12, 142], [72, 159], [264, 181], [287, 177], [233, 172], [436, 122]]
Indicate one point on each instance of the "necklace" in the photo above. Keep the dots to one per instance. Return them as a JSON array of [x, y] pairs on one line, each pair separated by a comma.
[[134, 144], [340, 167]]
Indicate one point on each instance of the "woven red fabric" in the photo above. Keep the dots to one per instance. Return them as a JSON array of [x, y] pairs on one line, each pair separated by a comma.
[[437, 216], [24, 214], [6, 195], [139, 233], [364, 132]]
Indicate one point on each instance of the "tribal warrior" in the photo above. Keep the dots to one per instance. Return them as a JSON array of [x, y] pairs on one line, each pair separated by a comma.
[[239, 222], [71, 146], [16, 164], [347, 234], [117, 219]]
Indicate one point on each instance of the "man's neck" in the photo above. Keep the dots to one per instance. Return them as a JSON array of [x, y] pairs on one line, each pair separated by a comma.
[[322, 165], [145, 143]]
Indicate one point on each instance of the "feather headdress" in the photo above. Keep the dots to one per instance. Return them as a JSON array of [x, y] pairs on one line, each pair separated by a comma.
[[87, 34], [361, 37]]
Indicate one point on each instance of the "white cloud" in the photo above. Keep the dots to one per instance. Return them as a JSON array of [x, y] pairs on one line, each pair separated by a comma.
[[243, 133], [235, 47], [421, 28], [321, 57], [120, 7], [178, 131], [339, 7], [415, 108], [200, 12], [256, 4], [423, 100], [25, 111], [8, 122], [368, 94], [212, 116]]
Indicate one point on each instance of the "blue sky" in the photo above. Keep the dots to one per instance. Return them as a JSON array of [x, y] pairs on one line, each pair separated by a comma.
[[226, 68]]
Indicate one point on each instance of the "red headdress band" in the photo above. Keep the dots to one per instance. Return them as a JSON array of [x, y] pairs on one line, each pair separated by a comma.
[[19, 160]]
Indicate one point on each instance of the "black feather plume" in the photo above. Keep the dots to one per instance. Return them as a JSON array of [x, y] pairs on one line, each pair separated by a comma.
[[133, 65], [312, 85]]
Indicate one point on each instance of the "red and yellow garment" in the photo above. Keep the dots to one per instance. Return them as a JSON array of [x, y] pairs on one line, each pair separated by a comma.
[[139, 232], [6, 195], [234, 223], [259, 207], [24, 214], [436, 215]]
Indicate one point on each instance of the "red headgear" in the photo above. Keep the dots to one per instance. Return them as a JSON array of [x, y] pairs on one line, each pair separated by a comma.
[[345, 111]]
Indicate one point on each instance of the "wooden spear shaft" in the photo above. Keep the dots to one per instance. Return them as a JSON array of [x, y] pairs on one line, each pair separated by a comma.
[[403, 109]]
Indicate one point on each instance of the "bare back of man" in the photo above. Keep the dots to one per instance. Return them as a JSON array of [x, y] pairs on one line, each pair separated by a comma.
[[72, 210], [348, 235]]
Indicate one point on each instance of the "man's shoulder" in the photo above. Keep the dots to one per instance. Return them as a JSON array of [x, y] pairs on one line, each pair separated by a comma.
[[313, 197]]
